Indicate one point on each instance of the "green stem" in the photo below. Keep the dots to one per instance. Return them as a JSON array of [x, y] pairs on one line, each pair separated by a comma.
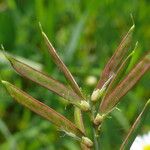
[[95, 133], [96, 144]]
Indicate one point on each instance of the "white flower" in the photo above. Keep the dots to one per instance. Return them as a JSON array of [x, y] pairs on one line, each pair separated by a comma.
[[91, 80], [141, 143]]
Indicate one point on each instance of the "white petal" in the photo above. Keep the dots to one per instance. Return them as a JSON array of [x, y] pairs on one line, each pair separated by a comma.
[[140, 142]]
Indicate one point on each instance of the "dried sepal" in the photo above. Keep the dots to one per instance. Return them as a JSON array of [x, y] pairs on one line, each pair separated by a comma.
[[126, 84], [43, 110]]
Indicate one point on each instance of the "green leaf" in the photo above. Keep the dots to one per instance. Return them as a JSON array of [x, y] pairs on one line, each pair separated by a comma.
[[121, 119], [117, 58], [75, 37], [135, 127], [43, 80], [43, 110], [125, 85], [4, 129], [61, 65]]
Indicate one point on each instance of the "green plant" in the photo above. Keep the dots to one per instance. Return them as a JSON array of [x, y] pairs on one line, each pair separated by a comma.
[[114, 83]]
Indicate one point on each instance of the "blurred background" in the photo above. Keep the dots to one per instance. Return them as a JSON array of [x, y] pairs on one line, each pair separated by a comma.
[[85, 34]]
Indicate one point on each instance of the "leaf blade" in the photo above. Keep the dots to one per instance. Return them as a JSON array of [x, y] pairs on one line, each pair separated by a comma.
[[43, 110]]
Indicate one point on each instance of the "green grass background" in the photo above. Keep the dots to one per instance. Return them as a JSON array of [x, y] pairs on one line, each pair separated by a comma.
[[85, 34]]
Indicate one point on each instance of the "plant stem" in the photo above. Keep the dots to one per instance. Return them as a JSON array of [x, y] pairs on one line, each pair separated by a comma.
[[96, 143]]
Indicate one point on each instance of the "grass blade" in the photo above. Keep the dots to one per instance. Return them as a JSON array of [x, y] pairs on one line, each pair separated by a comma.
[[75, 37], [135, 127], [112, 65], [43, 110], [61, 65], [43, 80], [124, 86], [4, 129]]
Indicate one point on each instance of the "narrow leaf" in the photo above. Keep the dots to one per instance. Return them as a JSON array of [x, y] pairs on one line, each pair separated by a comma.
[[125, 85], [61, 65], [75, 37], [43, 110], [43, 80], [4, 129], [135, 127], [115, 61]]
